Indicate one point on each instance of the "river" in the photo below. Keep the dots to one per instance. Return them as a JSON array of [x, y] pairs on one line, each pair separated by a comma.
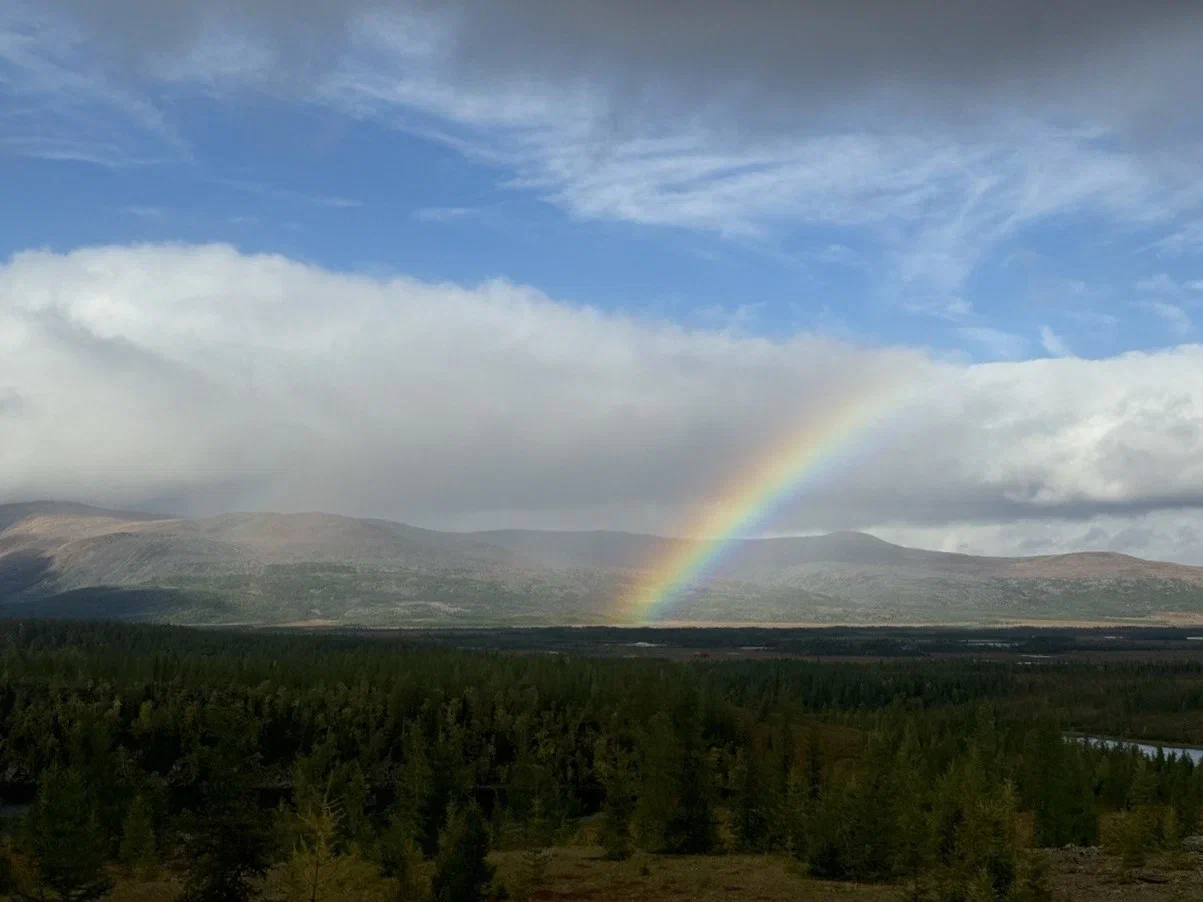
[[1145, 748]]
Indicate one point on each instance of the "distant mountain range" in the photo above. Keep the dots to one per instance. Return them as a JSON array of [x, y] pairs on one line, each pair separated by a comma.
[[71, 560]]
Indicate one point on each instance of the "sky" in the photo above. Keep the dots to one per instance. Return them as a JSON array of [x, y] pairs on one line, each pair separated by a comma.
[[580, 265]]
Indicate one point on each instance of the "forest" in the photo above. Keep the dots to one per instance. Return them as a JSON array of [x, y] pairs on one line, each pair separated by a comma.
[[149, 762]]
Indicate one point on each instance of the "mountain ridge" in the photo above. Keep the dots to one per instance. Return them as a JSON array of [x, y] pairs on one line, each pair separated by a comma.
[[276, 568]]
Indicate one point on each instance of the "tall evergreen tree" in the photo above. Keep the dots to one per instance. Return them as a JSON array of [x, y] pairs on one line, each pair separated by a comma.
[[754, 813], [691, 828], [413, 811], [660, 756], [1065, 810], [462, 871], [66, 842], [138, 837], [228, 841], [614, 770]]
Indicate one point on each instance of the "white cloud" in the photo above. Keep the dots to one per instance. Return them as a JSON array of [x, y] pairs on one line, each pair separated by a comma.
[[447, 214], [1160, 283], [1053, 343], [176, 370], [202, 379], [1185, 240], [836, 255], [263, 189], [1162, 535], [954, 309], [142, 211], [1173, 315], [997, 343]]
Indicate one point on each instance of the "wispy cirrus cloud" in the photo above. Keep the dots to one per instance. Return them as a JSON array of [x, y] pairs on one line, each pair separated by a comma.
[[59, 105], [143, 211], [450, 214], [288, 195], [1053, 343], [1182, 241], [997, 344], [753, 119], [1173, 315]]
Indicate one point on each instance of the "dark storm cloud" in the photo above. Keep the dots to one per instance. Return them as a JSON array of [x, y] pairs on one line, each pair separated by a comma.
[[769, 60]]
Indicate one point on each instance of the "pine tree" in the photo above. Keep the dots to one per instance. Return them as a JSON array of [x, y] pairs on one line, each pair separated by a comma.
[[1033, 885], [65, 839], [973, 830], [1172, 836], [138, 838], [462, 871], [1064, 806], [1129, 838], [312, 864], [228, 841], [657, 799], [911, 853], [401, 859], [415, 791], [353, 827], [321, 868], [814, 764], [797, 814], [16, 878], [752, 823], [613, 767], [691, 828], [532, 866], [826, 852]]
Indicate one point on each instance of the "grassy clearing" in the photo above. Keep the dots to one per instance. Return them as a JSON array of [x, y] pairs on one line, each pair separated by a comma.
[[582, 873]]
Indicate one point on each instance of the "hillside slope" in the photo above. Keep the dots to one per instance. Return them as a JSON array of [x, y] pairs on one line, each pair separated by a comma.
[[71, 560]]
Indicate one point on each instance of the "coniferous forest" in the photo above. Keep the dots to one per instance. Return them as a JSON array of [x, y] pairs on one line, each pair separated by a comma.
[[143, 762]]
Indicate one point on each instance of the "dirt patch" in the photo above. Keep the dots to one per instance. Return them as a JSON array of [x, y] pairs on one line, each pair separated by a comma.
[[1091, 874]]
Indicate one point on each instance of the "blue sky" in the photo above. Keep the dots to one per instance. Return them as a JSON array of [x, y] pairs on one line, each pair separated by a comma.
[[1019, 238], [356, 196], [656, 204]]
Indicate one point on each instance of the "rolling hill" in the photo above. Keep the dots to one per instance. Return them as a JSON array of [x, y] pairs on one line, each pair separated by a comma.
[[262, 568]]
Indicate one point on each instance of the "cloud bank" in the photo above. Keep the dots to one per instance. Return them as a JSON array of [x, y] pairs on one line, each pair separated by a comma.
[[197, 379]]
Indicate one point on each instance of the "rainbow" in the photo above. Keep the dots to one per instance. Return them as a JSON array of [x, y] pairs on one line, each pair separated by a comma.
[[751, 499]]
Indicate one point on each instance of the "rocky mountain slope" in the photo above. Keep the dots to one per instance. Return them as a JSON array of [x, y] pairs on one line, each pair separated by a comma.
[[72, 560]]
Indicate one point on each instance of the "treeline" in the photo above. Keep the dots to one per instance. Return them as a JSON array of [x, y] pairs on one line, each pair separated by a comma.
[[302, 767]]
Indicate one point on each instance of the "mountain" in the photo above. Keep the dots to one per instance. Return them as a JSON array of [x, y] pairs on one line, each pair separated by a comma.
[[262, 568]]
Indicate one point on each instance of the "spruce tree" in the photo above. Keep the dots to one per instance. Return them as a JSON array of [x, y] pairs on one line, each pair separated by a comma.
[[312, 865], [397, 849], [613, 766], [65, 839], [1064, 806], [462, 871], [415, 790], [814, 764], [691, 828], [532, 867], [752, 821], [138, 837], [228, 840], [658, 790]]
